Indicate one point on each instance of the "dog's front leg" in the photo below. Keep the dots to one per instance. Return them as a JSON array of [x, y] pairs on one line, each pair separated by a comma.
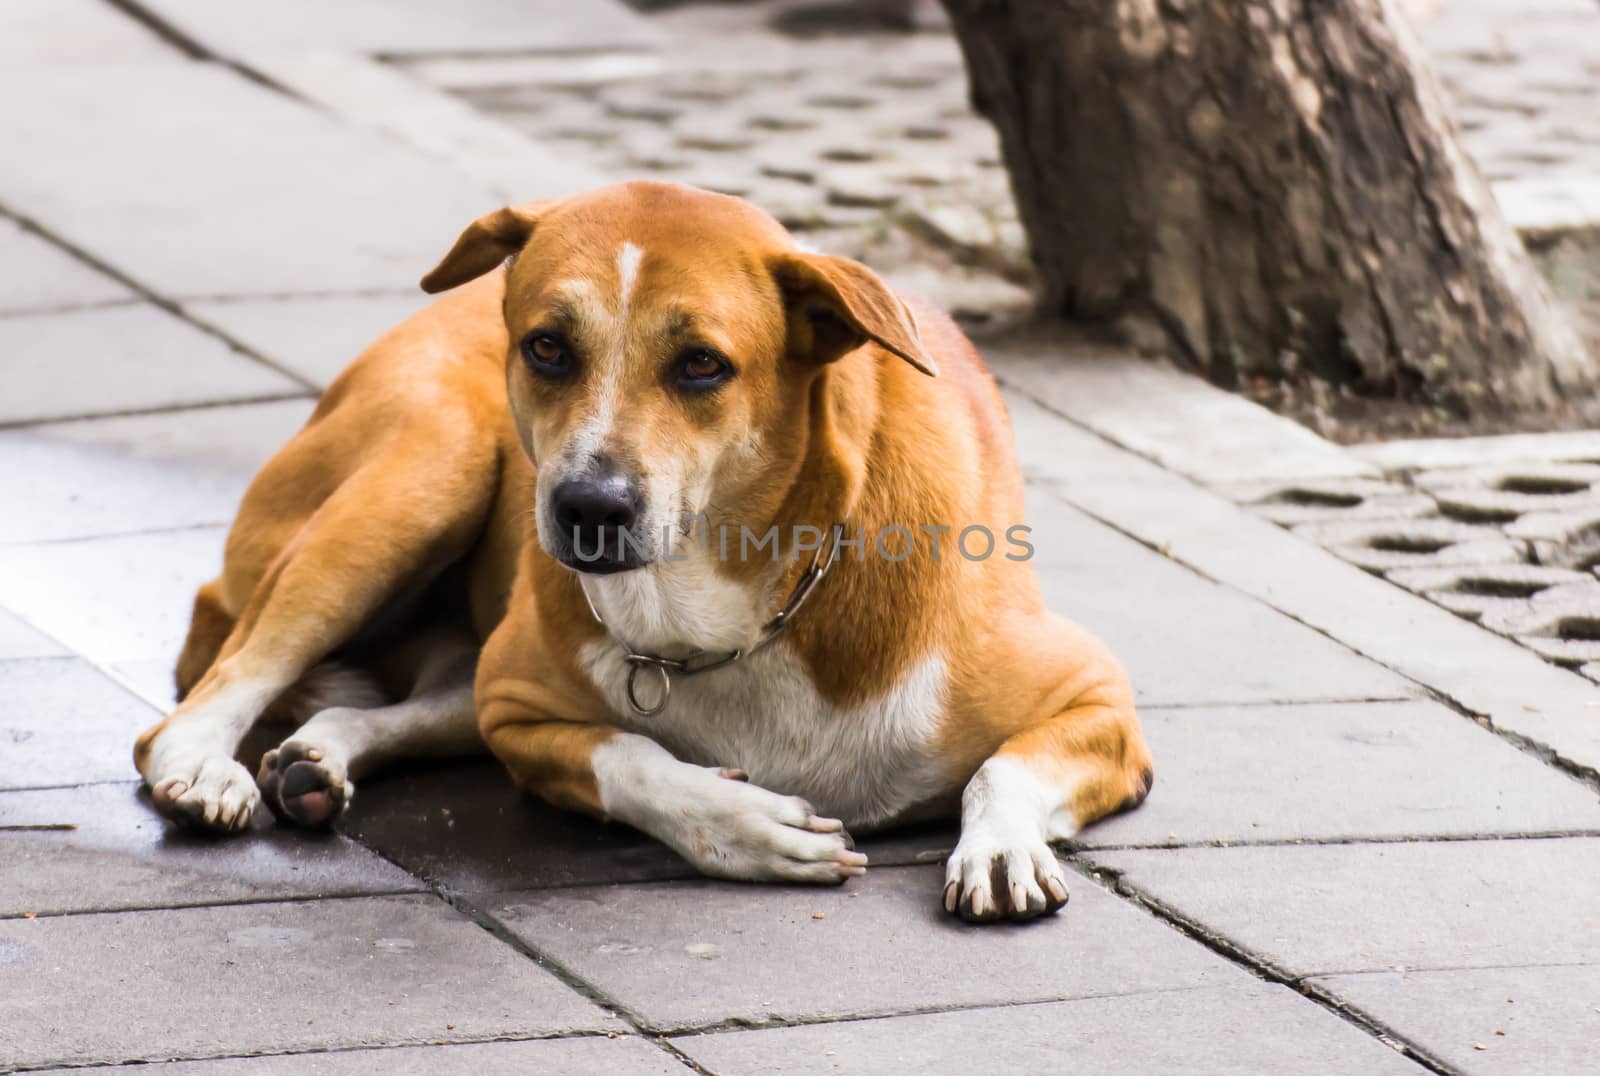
[[712, 817], [716, 820], [1044, 784]]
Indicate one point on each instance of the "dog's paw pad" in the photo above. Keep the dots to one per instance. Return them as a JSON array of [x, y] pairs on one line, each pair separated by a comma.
[[303, 786]]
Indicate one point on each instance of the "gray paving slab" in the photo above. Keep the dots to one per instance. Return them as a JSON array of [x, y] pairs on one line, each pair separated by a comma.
[[1182, 638], [688, 954], [1321, 909], [315, 336], [258, 193], [63, 722], [250, 978], [38, 275], [36, 33], [1488, 1021], [138, 472], [1154, 411], [19, 640], [118, 599], [625, 1055], [383, 26], [467, 828], [118, 854], [1361, 770], [121, 358], [1221, 1031]]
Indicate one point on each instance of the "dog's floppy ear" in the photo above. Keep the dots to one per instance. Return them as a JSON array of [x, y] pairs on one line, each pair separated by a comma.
[[487, 242], [835, 305]]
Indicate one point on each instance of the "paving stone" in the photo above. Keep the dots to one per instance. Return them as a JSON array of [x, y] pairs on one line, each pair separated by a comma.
[[1381, 545], [1496, 451], [467, 828], [19, 640], [121, 358], [1154, 411], [38, 275], [1316, 909], [1183, 639], [114, 600], [138, 473], [1561, 539], [305, 975], [314, 336], [1562, 623], [39, 33], [284, 198], [1472, 591], [625, 1055], [1538, 1019], [63, 722], [390, 26], [1211, 1032], [1353, 770], [1501, 494], [1482, 672], [118, 854], [685, 954], [1330, 499]]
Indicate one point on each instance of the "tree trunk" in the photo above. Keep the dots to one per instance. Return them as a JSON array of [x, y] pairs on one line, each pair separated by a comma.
[[1275, 184]]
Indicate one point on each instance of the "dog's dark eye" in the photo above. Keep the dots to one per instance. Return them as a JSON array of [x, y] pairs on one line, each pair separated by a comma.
[[546, 354], [701, 368]]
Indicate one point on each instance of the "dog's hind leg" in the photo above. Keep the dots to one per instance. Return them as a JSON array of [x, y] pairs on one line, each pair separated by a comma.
[[310, 777], [387, 530]]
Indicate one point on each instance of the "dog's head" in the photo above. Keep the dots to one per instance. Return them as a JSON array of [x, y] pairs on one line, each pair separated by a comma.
[[662, 342]]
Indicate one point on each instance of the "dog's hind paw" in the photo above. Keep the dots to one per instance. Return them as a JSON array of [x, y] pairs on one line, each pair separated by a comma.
[[215, 795], [303, 784]]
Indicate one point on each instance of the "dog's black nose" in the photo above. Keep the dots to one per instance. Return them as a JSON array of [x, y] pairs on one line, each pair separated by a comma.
[[591, 510]]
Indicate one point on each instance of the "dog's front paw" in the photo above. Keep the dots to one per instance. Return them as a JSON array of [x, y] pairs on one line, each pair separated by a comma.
[[214, 795], [993, 876], [743, 831], [304, 784]]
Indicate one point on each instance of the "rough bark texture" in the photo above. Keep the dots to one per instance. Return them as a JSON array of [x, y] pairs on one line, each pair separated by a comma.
[[1275, 183]]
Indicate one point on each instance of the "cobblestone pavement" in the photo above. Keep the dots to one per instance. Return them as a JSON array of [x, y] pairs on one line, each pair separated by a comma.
[[1504, 531], [869, 142], [1375, 827]]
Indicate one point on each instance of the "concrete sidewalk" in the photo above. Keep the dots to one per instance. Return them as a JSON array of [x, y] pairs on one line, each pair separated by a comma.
[[1374, 844]]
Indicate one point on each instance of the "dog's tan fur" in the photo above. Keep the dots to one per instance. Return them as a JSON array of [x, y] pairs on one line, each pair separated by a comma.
[[408, 506]]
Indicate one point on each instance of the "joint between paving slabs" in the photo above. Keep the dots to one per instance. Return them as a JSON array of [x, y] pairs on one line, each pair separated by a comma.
[[288, 898], [32, 226], [355, 1048], [1259, 966], [192, 49], [1074, 847]]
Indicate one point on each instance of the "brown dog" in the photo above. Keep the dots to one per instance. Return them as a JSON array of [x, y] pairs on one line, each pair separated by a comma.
[[614, 462]]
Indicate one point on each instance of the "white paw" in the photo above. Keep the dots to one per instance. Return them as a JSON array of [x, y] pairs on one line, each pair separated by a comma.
[[304, 783], [731, 829], [213, 794], [999, 872]]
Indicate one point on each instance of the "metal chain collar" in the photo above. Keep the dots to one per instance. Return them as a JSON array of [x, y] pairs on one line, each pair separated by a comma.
[[699, 661]]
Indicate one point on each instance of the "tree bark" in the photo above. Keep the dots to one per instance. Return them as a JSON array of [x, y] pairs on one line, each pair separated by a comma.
[[1275, 184]]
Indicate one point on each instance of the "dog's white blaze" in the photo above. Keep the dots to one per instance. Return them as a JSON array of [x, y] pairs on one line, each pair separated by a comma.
[[867, 765], [628, 259]]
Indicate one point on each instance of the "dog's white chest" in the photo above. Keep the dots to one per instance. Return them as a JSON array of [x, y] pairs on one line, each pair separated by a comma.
[[867, 764]]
